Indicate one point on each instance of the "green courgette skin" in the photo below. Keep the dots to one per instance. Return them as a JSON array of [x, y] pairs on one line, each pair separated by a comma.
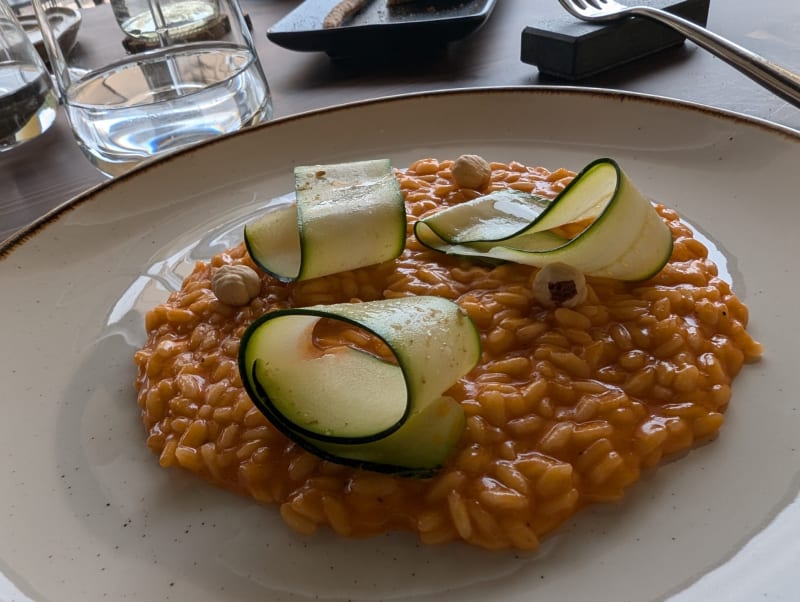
[[404, 471], [264, 401], [626, 239], [430, 361], [345, 216]]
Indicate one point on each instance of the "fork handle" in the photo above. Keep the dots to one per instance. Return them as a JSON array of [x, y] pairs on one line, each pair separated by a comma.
[[775, 78]]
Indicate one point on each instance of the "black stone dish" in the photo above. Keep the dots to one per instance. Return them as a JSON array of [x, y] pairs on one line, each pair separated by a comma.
[[378, 28]]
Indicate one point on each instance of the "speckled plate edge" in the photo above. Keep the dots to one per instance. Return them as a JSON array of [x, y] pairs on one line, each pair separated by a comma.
[[583, 92], [774, 533]]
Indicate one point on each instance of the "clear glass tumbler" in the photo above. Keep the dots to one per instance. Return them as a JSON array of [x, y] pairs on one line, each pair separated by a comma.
[[27, 102], [185, 19], [150, 77]]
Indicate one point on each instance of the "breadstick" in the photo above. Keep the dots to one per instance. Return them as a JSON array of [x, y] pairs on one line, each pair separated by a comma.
[[342, 12]]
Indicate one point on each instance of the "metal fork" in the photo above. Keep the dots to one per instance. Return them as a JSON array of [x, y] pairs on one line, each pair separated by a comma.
[[775, 78]]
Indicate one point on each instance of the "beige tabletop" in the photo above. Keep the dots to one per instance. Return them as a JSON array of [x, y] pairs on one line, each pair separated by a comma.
[[50, 170]]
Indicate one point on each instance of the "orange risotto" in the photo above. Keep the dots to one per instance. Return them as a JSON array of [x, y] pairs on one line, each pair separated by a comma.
[[567, 406]]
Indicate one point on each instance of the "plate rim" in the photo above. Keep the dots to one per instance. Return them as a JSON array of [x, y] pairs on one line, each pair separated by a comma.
[[27, 232], [89, 205]]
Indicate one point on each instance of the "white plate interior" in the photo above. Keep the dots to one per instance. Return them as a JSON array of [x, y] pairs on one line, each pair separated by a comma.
[[87, 514]]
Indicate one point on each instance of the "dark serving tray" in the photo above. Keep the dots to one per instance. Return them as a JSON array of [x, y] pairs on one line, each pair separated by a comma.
[[378, 28]]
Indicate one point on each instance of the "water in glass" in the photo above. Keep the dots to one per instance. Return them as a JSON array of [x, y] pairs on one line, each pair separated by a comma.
[[178, 77], [27, 101], [139, 108]]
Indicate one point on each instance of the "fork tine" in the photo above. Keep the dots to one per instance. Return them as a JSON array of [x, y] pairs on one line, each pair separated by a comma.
[[572, 6], [594, 3]]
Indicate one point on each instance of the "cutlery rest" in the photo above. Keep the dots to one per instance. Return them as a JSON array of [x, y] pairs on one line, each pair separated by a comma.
[[569, 49]]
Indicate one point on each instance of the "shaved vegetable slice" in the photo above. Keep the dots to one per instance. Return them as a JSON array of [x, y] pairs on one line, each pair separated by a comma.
[[351, 406], [346, 216], [626, 239]]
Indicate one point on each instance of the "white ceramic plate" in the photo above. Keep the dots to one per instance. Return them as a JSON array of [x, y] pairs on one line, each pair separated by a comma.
[[86, 513]]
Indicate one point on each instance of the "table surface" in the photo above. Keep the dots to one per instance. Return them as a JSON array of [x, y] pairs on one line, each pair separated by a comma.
[[50, 170]]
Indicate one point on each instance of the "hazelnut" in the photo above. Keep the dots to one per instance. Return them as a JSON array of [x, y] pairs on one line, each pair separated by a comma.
[[471, 171], [559, 284], [236, 284]]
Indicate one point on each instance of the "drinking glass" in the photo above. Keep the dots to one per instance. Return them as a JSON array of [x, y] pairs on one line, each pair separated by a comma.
[[27, 101], [150, 77]]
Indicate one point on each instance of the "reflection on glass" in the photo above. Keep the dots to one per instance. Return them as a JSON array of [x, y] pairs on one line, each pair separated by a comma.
[[27, 101], [150, 23]]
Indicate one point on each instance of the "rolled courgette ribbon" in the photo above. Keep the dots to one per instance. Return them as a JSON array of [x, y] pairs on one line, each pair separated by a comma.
[[627, 239], [346, 216], [352, 407]]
